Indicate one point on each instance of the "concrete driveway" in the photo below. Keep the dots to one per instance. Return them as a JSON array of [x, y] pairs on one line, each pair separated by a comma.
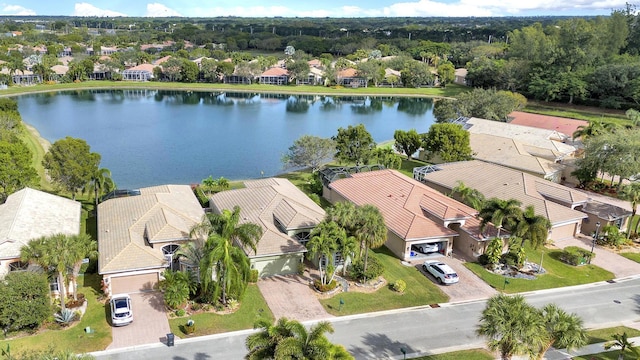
[[620, 266], [469, 287], [150, 324], [291, 297]]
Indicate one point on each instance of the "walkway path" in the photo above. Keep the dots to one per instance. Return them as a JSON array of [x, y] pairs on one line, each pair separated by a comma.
[[620, 266], [290, 296]]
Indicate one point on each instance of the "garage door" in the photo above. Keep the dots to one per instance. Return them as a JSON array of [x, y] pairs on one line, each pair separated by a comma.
[[133, 283], [563, 232]]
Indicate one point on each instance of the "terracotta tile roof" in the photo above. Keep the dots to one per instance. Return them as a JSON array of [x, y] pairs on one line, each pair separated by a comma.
[[410, 209], [164, 213], [275, 71], [348, 73], [504, 183], [147, 67], [162, 60], [266, 201], [29, 214], [563, 125]]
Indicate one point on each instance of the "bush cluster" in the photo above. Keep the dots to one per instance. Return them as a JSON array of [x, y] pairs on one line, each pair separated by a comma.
[[324, 288], [374, 269], [253, 276], [400, 286], [576, 256]]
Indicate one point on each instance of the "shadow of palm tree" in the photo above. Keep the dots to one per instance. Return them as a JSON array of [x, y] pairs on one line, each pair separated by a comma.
[[380, 346]]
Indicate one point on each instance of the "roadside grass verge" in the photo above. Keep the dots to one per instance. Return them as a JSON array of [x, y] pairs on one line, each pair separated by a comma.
[[610, 355], [586, 113], [606, 334], [451, 90], [632, 256], [420, 290], [558, 274], [74, 338], [252, 308], [476, 354]]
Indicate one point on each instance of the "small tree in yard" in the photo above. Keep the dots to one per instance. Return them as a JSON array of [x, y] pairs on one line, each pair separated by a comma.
[[323, 243], [622, 341], [494, 252], [450, 142], [309, 152], [407, 142], [24, 301], [354, 144], [71, 164]]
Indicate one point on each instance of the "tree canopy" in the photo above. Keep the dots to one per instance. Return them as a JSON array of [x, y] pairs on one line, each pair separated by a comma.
[[71, 164], [447, 142], [310, 152], [354, 144]]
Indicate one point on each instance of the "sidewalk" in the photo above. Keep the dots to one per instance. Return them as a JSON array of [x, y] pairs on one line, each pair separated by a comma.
[[554, 354]]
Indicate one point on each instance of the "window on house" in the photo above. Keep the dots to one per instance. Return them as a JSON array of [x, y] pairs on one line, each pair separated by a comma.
[[169, 251], [303, 237], [18, 266], [53, 284]]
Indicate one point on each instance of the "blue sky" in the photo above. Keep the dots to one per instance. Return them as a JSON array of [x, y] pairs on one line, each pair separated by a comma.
[[308, 8]]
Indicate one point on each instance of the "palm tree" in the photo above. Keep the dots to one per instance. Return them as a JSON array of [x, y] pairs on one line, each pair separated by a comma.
[[344, 214], [227, 225], [177, 286], [621, 341], [631, 193], [347, 247], [101, 183], [532, 227], [469, 196], [228, 265], [55, 252], [288, 339], [500, 213], [82, 247], [565, 330], [512, 326], [595, 128], [192, 252], [323, 243], [372, 231]]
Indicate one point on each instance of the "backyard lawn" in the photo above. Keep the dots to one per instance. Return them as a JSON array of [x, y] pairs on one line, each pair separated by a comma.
[[420, 290], [252, 308], [558, 274], [74, 338]]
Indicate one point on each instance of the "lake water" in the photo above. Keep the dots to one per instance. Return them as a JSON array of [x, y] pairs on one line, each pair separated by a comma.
[[151, 137]]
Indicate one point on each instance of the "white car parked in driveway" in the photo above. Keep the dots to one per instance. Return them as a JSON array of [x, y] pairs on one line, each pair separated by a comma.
[[427, 248], [121, 312], [443, 273]]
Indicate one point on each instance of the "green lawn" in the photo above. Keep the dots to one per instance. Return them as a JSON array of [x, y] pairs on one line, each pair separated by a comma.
[[451, 90], [252, 308], [611, 355], [585, 113], [632, 256], [558, 273], [73, 338], [420, 290], [606, 334], [408, 165], [478, 354]]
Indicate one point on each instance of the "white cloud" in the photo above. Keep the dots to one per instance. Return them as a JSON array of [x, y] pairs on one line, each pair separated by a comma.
[[160, 10], [86, 9], [16, 10]]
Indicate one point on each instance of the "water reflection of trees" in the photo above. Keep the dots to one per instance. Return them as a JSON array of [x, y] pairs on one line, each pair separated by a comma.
[[297, 104], [83, 95], [415, 106], [44, 98], [370, 106]]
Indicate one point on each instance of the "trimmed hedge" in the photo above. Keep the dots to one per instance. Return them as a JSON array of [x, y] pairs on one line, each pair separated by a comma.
[[576, 256]]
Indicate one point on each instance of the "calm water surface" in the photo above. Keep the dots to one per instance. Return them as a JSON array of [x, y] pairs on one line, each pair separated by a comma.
[[150, 137]]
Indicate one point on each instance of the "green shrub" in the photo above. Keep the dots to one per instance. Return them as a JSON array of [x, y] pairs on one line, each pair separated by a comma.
[[483, 260], [190, 327], [494, 251], [315, 198], [196, 306], [65, 316], [301, 268], [180, 312], [374, 269], [324, 288], [400, 286], [576, 256], [17, 286], [509, 259], [253, 276]]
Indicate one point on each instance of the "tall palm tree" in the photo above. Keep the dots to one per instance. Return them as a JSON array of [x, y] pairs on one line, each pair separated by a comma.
[[468, 195], [54, 252], [532, 227], [500, 213], [347, 247], [227, 225], [344, 214], [565, 330], [512, 326], [595, 128], [100, 183], [82, 247], [631, 193], [262, 344], [228, 265], [323, 243], [192, 252], [372, 231]]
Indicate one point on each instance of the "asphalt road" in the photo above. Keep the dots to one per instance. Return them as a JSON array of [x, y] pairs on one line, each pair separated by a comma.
[[419, 331]]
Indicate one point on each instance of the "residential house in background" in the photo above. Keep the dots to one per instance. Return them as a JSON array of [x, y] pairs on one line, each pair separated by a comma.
[[29, 214], [286, 215], [142, 72], [275, 76], [139, 234], [349, 78]]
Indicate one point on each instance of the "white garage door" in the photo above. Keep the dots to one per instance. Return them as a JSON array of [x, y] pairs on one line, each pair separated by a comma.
[[133, 283]]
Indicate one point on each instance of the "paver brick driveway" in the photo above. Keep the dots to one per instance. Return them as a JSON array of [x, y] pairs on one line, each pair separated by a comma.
[[150, 323], [290, 296]]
